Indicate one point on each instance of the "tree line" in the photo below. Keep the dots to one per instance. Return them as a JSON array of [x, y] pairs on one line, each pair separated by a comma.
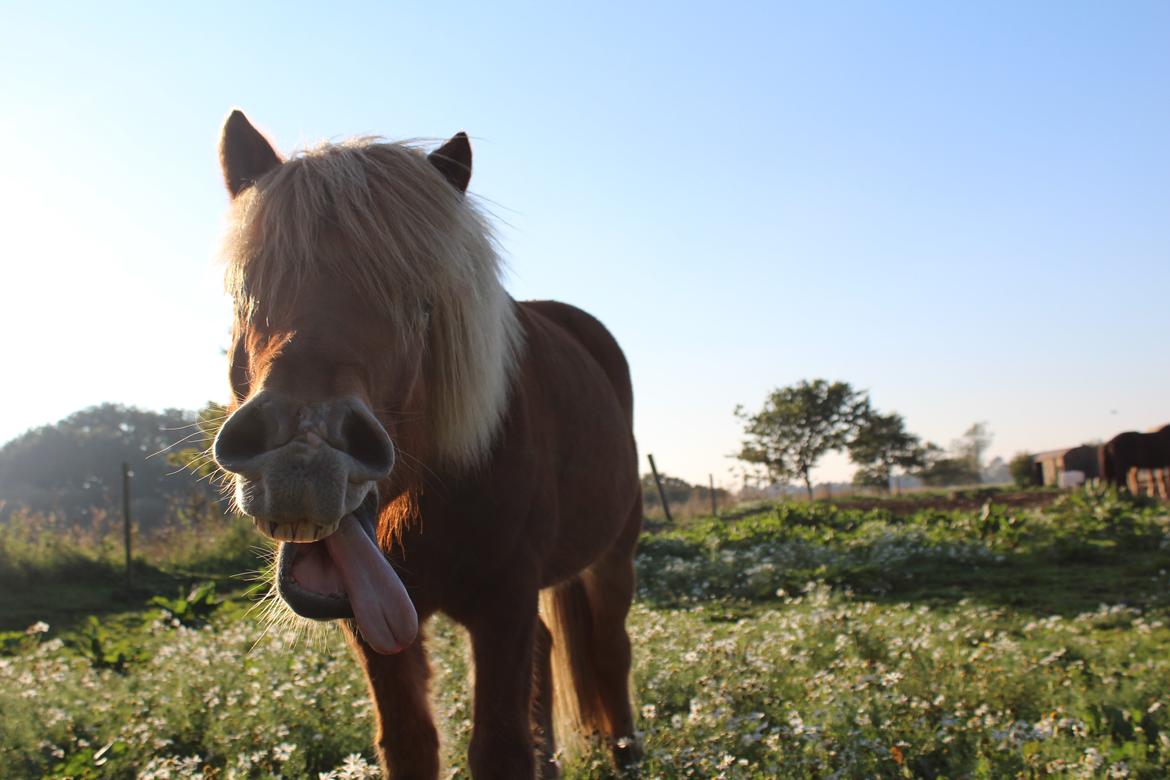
[[799, 424], [73, 467]]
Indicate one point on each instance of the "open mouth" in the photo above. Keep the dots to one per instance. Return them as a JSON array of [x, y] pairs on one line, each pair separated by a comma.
[[344, 574]]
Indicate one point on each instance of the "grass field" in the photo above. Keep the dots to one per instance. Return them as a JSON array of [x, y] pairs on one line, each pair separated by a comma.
[[791, 642]]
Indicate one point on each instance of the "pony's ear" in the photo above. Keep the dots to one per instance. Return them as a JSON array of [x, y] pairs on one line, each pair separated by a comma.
[[244, 154], [453, 159]]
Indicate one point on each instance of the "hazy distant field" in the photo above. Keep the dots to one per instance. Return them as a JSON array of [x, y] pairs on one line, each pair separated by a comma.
[[989, 642]]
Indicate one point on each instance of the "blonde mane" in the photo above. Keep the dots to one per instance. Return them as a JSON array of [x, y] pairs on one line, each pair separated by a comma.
[[382, 219]]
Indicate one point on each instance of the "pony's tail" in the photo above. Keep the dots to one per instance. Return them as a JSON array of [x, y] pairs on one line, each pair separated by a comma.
[[1104, 464], [577, 708]]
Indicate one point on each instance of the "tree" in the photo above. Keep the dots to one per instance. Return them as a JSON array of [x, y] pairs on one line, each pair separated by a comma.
[[940, 470], [882, 444], [1022, 469], [973, 445], [996, 472], [798, 424], [963, 465]]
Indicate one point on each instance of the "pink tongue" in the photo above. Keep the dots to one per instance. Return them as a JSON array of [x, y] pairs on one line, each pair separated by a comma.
[[381, 606]]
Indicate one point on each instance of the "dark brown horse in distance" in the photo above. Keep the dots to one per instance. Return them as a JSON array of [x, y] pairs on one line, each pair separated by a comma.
[[419, 442], [1133, 450]]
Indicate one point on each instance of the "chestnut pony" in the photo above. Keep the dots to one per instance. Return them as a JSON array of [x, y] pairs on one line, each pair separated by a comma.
[[419, 442]]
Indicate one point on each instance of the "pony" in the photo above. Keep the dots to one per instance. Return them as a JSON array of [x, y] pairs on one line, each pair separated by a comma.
[[1132, 450], [419, 442]]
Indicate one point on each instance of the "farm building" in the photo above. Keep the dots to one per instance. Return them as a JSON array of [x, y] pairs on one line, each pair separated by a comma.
[[1048, 466]]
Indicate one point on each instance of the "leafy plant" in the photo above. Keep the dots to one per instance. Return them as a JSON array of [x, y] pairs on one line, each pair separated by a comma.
[[193, 610], [15, 642], [89, 764], [103, 649]]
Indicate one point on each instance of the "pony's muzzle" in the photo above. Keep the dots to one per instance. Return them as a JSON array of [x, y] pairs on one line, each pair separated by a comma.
[[267, 423], [300, 467]]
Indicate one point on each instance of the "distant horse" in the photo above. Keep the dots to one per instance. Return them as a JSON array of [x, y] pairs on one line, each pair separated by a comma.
[[419, 442], [1161, 477], [1132, 450]]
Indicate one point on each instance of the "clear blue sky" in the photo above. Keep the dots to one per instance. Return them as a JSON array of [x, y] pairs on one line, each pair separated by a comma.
[[963, 208]]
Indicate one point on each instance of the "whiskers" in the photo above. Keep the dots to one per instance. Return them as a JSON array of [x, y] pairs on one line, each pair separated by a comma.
[[277, 619], [424, 474], [172, 445], [209, 423], [396, 415], [207, 426], [200, 460]]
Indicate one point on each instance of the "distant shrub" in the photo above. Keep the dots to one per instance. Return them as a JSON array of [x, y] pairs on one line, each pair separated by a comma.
[[1022, 469], [686, 500]]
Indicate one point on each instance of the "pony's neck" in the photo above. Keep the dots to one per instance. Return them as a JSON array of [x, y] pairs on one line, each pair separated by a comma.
[[474, 351]]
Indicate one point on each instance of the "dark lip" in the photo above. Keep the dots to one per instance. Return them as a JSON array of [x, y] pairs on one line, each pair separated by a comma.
[[310, 604]]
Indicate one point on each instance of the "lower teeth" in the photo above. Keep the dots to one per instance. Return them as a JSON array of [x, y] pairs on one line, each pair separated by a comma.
[[295, 532]]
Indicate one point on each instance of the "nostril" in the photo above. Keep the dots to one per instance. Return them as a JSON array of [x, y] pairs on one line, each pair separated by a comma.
[[242, 438], [367, 443]]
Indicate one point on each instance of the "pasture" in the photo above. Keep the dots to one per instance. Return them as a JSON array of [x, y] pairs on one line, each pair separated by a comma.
[[793, 641]]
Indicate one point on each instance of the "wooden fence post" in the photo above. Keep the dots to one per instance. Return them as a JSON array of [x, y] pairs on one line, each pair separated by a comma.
[[661, 492], [711, 482], [126, 474]]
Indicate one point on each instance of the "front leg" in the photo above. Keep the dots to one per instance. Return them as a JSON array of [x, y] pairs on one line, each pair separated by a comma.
[[502, 635], [407, 742]]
